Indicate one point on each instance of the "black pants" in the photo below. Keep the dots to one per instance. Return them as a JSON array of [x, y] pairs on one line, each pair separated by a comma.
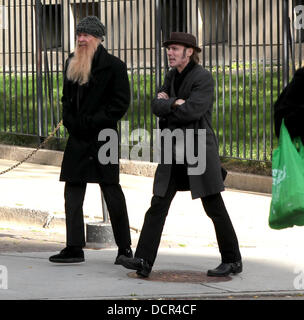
[[155, 219], [74, 195]]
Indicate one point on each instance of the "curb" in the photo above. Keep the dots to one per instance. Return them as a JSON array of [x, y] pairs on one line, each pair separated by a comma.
[[31, 217], [38, 218], [43, 156]]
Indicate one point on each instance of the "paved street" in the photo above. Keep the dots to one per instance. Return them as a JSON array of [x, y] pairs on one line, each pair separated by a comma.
[[273, 260]]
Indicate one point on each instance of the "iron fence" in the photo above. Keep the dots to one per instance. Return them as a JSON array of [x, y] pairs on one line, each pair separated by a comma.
[[251, 47]]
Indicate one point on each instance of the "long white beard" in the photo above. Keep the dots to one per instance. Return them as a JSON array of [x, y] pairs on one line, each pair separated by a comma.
[[79, 68]]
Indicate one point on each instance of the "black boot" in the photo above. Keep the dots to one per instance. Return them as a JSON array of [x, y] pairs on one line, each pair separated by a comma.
[[142, 266], [68, 255], [224, 269], [123, 252]]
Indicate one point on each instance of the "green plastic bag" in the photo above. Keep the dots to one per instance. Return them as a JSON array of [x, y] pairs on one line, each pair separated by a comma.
[[287, 204]]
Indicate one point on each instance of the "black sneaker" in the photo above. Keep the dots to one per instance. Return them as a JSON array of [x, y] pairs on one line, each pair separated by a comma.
[[68, 255], [142, 267], [123, 252]]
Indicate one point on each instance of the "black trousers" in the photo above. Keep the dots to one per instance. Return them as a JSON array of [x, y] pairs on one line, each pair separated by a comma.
[[155, 219], [74, 196]]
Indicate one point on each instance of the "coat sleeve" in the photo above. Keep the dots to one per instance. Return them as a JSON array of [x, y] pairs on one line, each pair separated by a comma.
[[198, 103], [163, 107], [290, 106], [118, 104]]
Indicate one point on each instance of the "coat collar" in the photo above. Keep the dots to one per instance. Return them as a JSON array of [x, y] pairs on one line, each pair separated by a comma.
[[100, 62], [185, 80], [101, 58]]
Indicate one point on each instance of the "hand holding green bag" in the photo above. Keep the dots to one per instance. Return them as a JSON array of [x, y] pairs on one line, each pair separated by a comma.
[[287, 204]]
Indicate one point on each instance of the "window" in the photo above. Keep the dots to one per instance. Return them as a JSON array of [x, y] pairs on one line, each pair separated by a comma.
[[176, 17], [212, 15], [51, 26]]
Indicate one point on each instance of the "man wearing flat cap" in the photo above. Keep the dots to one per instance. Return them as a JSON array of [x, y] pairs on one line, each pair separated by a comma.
[[185, 102], [96, 95]]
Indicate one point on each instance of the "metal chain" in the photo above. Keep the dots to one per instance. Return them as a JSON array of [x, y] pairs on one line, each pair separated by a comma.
[[34, 151]]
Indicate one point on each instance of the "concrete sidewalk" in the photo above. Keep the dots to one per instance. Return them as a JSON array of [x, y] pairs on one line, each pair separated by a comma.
[[273, 260]]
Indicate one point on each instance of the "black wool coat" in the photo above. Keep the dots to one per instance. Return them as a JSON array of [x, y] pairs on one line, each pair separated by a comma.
[[197, 89], [87, 110], [290, 107]]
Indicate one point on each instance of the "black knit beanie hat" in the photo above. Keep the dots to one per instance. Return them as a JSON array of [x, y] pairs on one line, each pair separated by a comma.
[[91, 25]]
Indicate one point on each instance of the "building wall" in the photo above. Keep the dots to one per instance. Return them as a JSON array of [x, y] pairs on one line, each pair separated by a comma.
[[131, 24]]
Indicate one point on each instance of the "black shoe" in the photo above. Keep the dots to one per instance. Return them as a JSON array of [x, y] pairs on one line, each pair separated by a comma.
[[224, 269], [123, 252], [68, 255], [142, 267]]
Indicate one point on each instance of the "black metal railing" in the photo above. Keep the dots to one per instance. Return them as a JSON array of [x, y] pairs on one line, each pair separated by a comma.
[[251, 47]]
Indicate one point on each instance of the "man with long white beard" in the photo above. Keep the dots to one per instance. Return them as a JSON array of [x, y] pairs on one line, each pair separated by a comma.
[[96, 95]]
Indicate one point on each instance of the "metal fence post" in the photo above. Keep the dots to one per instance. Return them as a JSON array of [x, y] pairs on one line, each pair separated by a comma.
[[99, 234], [158, 67], [38, 6], [158, 63], [105, 211], [285, 43]]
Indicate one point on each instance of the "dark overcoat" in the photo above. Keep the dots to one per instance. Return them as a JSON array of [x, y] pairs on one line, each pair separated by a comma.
[[87, 110], [290, 106], [197, 90]]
